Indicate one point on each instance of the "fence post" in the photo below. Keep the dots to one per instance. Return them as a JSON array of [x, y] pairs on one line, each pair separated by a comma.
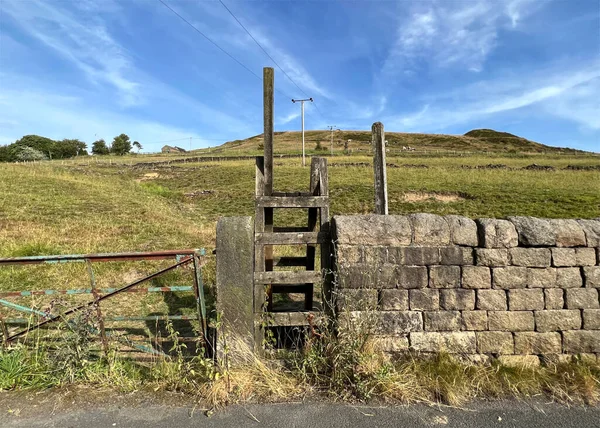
[[235, 284], [97, 304], [378, 141]]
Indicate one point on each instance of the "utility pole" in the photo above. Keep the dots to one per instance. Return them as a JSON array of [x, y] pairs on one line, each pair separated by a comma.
[[190, 144], [332, 128], [302, 107]]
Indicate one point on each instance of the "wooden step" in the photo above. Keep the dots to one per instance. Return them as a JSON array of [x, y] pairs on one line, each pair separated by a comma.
[[279, 194], [290, 238], [283, 319], [288, 277], [292, 201]]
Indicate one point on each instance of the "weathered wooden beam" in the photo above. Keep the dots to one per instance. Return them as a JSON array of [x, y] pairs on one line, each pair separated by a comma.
[[290, 238], [291, 194], [287, 277], [291, 319], [381, 195], [268, 89], [292, 201]]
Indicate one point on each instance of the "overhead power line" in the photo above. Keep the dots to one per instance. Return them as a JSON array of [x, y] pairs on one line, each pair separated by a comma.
[[267, 54], [227, 53], [209, 39]]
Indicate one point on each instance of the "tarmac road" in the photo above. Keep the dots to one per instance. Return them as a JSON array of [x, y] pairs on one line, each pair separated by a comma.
[[309, 415]]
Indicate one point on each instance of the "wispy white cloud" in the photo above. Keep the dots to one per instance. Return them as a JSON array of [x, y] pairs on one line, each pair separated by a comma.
[[284, 120], [83, 40], [457, 34], [568, 94]]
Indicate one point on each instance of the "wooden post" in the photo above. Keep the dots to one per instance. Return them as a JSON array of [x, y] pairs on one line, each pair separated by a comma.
[[268, 88], [381, 196]]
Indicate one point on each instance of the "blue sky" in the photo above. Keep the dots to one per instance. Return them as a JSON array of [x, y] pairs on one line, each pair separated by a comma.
[[93, 69]]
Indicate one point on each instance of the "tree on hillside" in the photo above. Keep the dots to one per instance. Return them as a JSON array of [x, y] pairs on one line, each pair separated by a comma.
[[121, 145], [26, 153], [137, 145], [68, 148], [99, 147], [42, 144], [6, 154]]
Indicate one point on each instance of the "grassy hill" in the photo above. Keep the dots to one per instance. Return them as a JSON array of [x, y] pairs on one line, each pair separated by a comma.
[[477, 140]]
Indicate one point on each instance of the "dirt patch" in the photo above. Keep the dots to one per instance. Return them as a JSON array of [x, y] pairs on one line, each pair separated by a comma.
[[199, 193], [536, 167], [149, 176], [432, 197]]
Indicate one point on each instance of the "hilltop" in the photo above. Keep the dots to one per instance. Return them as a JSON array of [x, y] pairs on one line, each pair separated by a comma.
[[477, 140]]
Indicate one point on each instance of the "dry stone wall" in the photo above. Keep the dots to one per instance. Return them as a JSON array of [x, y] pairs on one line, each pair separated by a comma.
[[516, 288]]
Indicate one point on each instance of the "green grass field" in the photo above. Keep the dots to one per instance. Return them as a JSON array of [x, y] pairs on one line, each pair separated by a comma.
[[119, 204]]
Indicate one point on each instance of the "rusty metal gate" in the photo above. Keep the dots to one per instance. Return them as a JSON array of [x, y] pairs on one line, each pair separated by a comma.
[[37, 319]]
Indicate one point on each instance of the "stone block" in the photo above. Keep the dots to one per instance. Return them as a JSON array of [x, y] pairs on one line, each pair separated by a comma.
[[444, 277], [581, 341], [373, 229], [442, 321], [554, 298], [492, 257], [396, 322], [476, 277], [569, 278], [235, 287], [573, 257], [412, 277], [519, 361], [557, 320], [538, 343], [350, 299], [569, 233], [581, 298], [395, 255], [495, 342], [530, 257], [591, 228], [541, 278], [585, 256], [563, 257], [452, 342], [393, 300], [511, 321], [429, 229], [534, 232], [356, 276], [348, 255], [491, 300], [463, 230], [458, 256], [385, 276], [374, 255], [420, 256], [494, 233], [509, 277], [457, 300], [592, 276], [475, 320], [390, 344], [526, 300], [591, 319], [424, 300]]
